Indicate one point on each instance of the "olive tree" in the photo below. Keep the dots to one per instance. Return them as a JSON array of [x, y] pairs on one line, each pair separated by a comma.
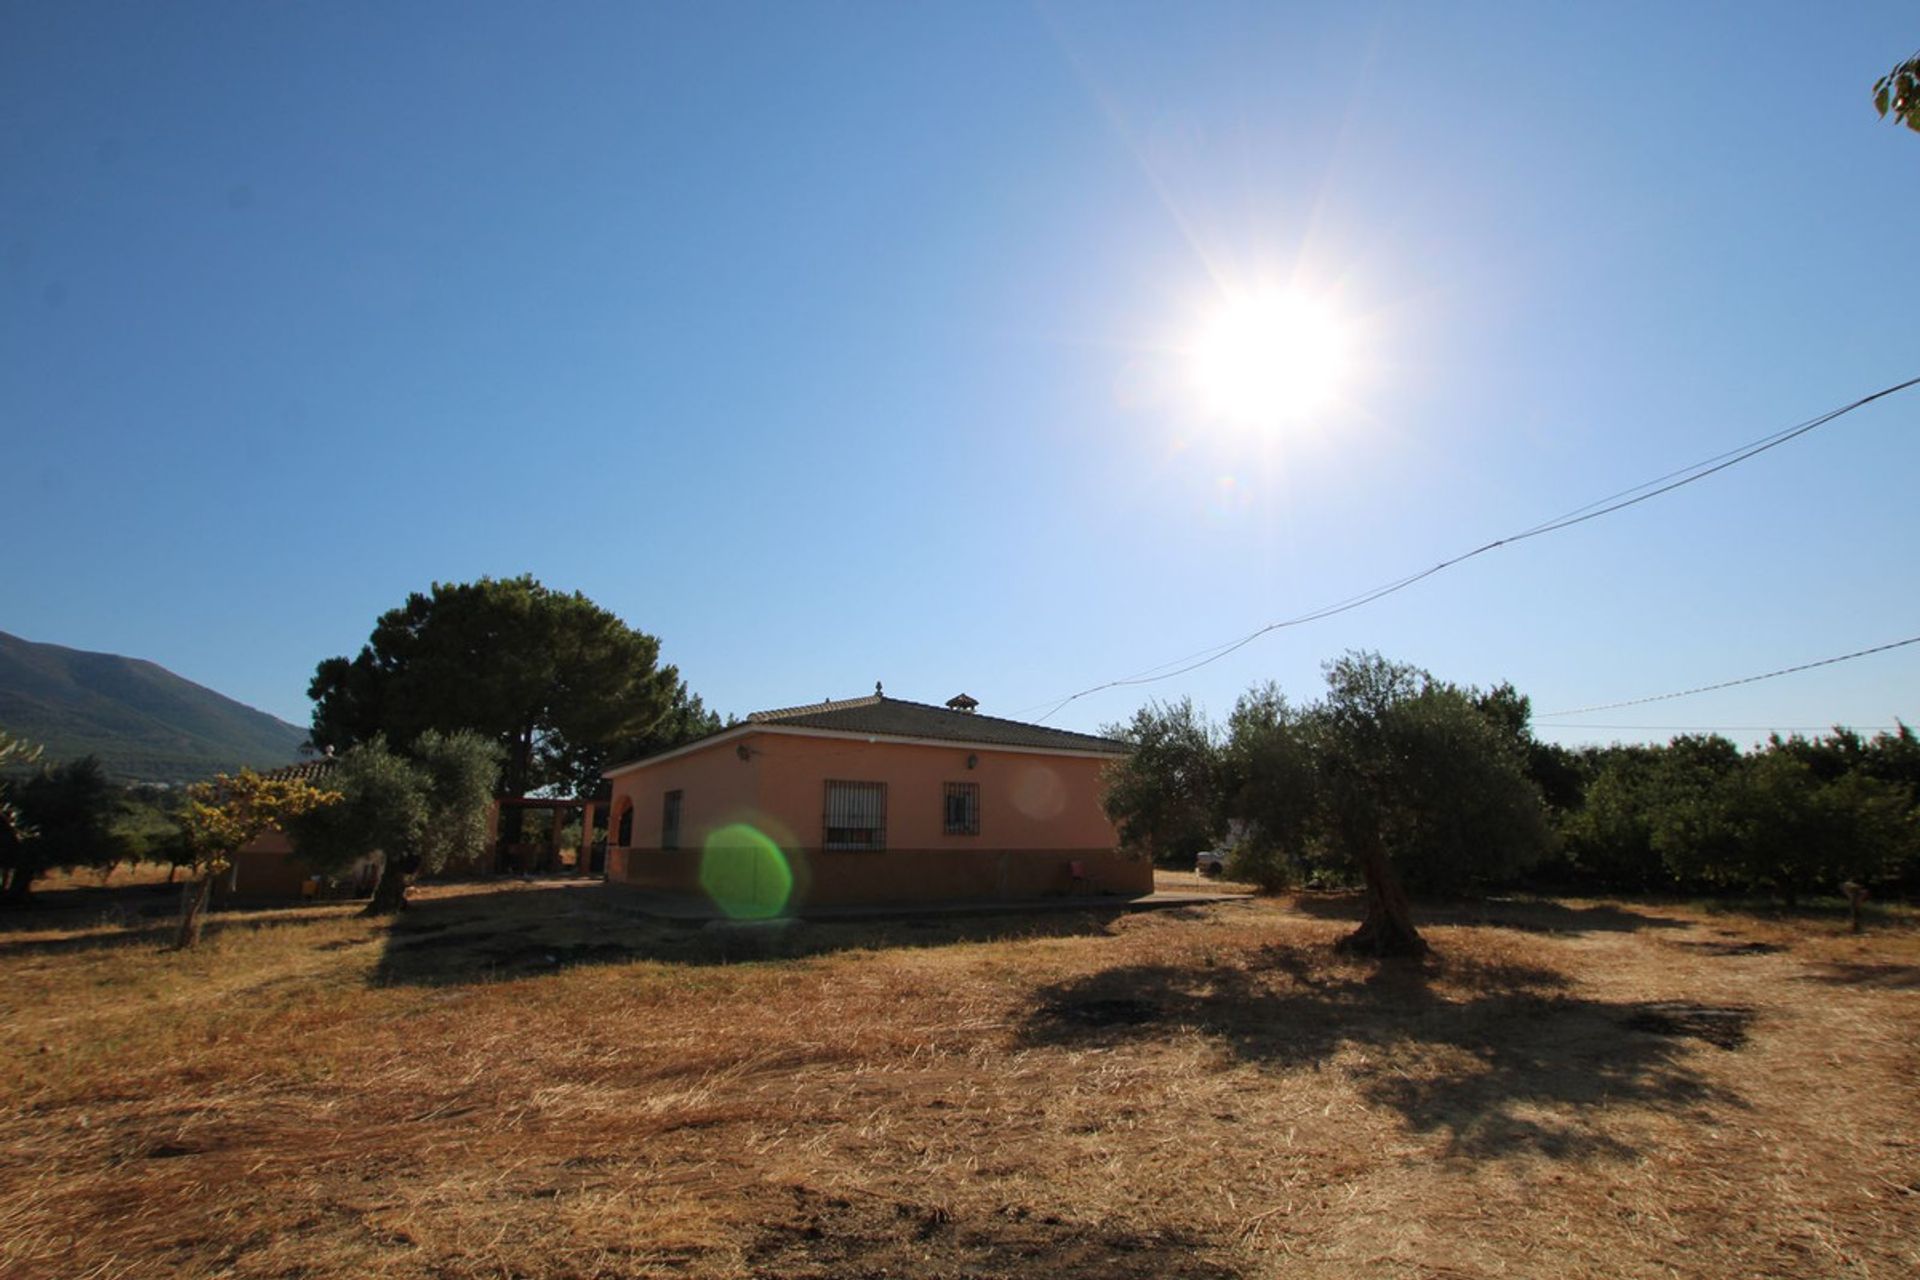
[[1415, 779], [417, 812], [1165, 794], [1270, 786], [1406, 779]]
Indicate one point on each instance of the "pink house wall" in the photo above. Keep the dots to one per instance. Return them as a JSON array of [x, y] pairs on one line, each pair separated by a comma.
[[1040, 817], [267, 869]]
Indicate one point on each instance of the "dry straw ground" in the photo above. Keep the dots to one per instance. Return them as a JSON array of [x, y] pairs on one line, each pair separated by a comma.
[[523, 1080]]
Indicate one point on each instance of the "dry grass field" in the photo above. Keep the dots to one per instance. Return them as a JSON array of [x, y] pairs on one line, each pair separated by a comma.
[[522, 1080]]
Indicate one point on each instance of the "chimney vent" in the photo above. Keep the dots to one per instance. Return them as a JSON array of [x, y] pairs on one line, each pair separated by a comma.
[[962, 703]]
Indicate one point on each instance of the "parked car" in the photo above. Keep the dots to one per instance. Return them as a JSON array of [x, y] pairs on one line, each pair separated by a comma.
[[1211, 862]]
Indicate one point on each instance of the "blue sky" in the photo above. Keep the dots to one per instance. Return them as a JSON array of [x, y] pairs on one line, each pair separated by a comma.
[[841, 343]]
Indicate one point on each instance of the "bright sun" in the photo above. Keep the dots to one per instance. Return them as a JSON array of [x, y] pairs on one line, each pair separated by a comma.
[[1269, 359]]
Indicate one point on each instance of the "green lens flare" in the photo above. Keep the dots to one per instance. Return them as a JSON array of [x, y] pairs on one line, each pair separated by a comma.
[[745, 873]]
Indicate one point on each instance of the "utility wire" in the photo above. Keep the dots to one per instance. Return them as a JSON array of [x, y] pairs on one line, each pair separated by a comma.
[[1728, 684], [1579, 515], [1731, 728]]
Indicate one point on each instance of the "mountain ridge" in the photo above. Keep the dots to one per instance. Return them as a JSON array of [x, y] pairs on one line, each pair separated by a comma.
[[144, 722]]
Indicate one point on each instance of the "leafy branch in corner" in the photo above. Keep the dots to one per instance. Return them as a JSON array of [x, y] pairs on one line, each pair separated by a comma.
[[1897, 93]]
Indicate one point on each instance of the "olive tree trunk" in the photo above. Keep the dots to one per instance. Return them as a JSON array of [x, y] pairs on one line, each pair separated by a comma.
[[193, 910], [390, 890], [1388, 928]]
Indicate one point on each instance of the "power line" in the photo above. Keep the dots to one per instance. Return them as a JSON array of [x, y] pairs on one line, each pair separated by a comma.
[[1579, 515], [1728, 684], [1732, 728]]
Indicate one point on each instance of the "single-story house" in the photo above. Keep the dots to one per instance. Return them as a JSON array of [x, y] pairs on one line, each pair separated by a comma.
[[873, 800]]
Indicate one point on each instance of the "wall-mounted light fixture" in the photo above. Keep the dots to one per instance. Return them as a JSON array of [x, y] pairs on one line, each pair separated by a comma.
[[744, 751], [973, 760]]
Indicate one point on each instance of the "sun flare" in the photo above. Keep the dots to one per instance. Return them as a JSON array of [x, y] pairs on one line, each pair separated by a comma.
[[1271, 358]]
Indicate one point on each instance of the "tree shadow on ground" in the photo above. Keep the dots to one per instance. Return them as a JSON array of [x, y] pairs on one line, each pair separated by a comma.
[[1527, 915], [153, 927], [1846, 973], [82, 906], [511, 933], [1500, 1059]]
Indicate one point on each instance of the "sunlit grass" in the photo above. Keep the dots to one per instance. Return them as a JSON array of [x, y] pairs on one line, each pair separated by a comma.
[[530, 1080]]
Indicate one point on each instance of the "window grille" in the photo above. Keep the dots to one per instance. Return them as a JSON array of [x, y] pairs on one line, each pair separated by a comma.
[[670, 822], [963, 808], [856, 815]]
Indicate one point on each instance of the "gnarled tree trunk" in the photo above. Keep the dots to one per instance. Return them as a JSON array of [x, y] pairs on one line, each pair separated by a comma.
[[193, 910], [1388, 928], [390, 890]]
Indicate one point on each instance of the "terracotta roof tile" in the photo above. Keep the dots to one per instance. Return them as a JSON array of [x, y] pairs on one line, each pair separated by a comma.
[[897, 718], [304, 770]]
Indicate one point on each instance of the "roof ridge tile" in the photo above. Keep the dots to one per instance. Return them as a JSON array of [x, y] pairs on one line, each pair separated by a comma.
[[815, 708]]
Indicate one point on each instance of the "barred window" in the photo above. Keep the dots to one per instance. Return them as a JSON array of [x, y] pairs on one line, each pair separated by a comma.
[[856, 815], [670, 821], [963, 808]]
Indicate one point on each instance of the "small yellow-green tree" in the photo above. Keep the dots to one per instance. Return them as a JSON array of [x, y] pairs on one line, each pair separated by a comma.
[[221, 817]]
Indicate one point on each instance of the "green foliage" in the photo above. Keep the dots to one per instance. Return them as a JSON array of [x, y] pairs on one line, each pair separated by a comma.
[[558, 682], [1165, 796], [67, 813], [1390, 764], [146, 828], [1897, 94], [1772, 822], [1266, 865], [382, 809], [459, 769], [1414, 767], [418, 812], [1269, 783], [1870, 829], [1798, 816], [1404, 777], [1688, 812], [1608, 839]]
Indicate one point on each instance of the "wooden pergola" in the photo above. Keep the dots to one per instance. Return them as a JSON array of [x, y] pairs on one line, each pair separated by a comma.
[[590, 811]]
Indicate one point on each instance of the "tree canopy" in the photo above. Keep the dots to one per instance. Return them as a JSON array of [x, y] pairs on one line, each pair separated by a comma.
[[1164, 796], [1391, 774], [1796, 816], [65, 818], [1411, 778], [419, 811], [561, 684], [1395, 776]]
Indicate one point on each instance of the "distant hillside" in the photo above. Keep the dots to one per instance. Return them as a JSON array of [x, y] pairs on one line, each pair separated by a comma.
[[144, 722]]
